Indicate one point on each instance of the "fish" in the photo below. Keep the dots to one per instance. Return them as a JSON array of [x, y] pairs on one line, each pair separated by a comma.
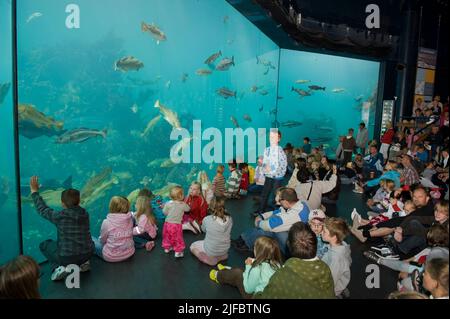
[[301, 92], [170, 116], [167, 163], [316, 88], [226, 93], [302, 81], [156, 162], [97, 185], [151, 124], [165, 191], [247, 118], [324, 128], [34, 16], [79, 135], [128, 63], [225, 64], [213, 57], [184, 77], [338, 90], [33, 123], [134, 108], [145, 181], [291, 123], [261, 108], [4, 88], [266, 63], [46, 184], [154, 31], [120, 160], [51, 197], [264, 92], [133, 196], [203, 72], [123, 175], [234, 121]]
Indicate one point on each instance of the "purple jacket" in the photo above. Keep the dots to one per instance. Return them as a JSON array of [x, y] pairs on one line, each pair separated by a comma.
[[116, 235]]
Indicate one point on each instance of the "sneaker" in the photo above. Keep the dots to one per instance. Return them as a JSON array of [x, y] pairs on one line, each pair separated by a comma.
[[213, 275], [149, 245], [222, 267], [190, 226], [59, 273], [358, 189], [385, 252], [358, 234], [168, 250], [179, 254], [372, 256], [355, 214], [85, 266]]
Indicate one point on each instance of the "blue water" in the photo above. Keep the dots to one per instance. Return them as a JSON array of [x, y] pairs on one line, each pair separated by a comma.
[[68, 74]]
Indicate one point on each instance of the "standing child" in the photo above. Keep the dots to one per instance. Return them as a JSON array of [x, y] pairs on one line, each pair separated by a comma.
[[116, 234], [145, 230], [172, 229], [198, 209], [219, 182], [258, 270], [338, 257], [233, 182], [243, 186], [217, 227], [74, 244]]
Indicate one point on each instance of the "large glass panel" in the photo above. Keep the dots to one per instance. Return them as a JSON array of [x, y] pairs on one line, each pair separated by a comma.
[[324, 96], [9, 233], [104, 78]]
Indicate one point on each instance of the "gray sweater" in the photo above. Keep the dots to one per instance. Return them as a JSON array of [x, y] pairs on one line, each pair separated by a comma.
[[217, 239], [339, 259]]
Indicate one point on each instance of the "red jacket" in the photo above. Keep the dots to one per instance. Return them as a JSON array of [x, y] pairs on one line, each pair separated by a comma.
[[244, 182], [388, 136], [199, 208]]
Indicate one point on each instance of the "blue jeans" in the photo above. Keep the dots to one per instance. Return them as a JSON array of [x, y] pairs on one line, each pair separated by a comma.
[[98, 247], [268, 192], [251, 235]]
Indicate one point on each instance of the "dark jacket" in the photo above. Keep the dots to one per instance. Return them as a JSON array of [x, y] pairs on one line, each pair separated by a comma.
[[424, 215], [72, 224]]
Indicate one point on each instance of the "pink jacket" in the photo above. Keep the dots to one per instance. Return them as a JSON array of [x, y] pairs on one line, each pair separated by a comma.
[[116, 235], [144, 226]]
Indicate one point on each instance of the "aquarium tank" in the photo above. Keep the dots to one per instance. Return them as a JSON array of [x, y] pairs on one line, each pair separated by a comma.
[[108, 90]]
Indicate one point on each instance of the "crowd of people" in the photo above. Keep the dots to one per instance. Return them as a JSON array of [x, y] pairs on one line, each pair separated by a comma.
[[298, 251]]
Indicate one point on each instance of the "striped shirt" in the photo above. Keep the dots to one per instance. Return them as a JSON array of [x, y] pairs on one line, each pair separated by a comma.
[[219, 185]]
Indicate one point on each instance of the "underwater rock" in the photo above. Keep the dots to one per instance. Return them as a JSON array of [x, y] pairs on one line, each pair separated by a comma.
[[33, 123], [79, 135], [154, 31], [128, 63], [4, 88]]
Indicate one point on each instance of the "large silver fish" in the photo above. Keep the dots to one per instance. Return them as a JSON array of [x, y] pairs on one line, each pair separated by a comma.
[[213, 57], [154, 31], [79, 135], [225, 64], [291, 123], [128, 63], [170, 116], [225, 92]]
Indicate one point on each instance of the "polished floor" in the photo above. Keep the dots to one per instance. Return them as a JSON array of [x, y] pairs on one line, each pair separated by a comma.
[[158, 275]]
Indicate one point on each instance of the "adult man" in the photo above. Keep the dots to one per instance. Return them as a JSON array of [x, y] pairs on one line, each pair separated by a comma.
[[373, 162], [362, 138], [275, 224], [303, 276], [275, 165]]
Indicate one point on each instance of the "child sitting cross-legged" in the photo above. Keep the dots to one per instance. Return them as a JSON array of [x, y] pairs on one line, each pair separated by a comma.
[[144, 233], [217, 226], [258, 270]]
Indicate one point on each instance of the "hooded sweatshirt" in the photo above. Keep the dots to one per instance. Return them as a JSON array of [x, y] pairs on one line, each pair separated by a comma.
[[116, 235], [339, 259], [217, 239]]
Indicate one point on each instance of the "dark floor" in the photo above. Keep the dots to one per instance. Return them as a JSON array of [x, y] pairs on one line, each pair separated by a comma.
[[157, 275]]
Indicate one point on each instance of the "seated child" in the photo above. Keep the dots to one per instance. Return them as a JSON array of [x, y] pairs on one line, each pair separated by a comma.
[[217, 226], [259, 178], [172, 229], [258, 270], [19, 279], [233, 182], [207, 187], [74, 244], [316, 220], [116, 234], [144, 233], [243, 186], [156, 201], [380, 201], [219, 182], [338, 255], [198, 209], [422, 154]]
